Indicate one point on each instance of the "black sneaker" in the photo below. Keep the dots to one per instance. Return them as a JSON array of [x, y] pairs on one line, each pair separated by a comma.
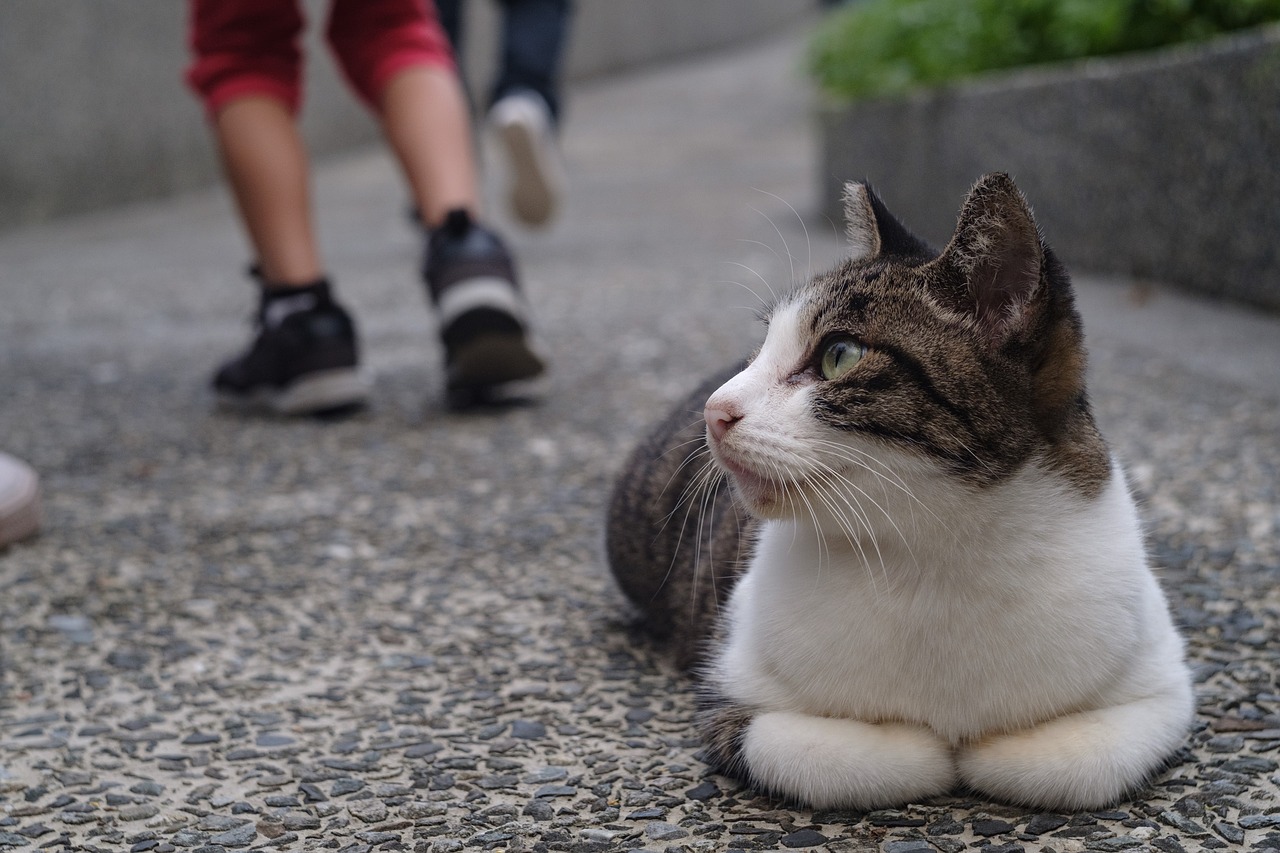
[[303, 360], [483, 316]]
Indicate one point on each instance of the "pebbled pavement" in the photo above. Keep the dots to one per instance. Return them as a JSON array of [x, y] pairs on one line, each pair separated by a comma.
[[396, 631]]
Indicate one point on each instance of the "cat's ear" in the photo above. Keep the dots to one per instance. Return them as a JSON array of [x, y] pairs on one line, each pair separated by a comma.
[[997, 251], [872, 229]]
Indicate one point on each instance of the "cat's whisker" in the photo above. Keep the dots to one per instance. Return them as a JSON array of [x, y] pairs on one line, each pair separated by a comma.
[[803, 226], [843, 478], [791, 259], [857, 514], [773, 295], [764, 303], [707, 478], [859, 459]]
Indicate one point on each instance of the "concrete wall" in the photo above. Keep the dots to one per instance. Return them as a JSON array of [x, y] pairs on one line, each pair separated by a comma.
[[93, 111], [1158, 165]]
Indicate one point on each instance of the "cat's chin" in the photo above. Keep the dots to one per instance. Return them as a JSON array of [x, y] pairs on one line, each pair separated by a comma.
[[762, 496]]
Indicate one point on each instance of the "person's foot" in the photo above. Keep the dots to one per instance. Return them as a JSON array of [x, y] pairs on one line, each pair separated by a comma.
[[483, 317], [302, 360], [523, 123], [20, 507]]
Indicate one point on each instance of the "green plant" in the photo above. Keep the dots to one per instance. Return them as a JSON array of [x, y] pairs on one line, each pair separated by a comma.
[[877, 47]]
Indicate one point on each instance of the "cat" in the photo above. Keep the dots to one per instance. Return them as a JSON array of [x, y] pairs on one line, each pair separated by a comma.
[[927, 572]]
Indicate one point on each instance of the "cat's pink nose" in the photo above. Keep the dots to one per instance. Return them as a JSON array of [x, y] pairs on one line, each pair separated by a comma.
[[719, 420]]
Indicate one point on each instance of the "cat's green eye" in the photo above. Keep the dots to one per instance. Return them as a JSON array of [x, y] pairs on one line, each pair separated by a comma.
[[840, 355]]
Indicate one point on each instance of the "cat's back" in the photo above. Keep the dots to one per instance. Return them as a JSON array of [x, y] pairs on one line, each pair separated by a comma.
[[674, 537]]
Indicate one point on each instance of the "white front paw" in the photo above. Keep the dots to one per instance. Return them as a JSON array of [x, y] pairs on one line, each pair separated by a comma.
[[828, 762]]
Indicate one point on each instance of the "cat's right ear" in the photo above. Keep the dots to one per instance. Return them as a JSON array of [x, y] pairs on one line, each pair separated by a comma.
[[860, 221], [873, 230]]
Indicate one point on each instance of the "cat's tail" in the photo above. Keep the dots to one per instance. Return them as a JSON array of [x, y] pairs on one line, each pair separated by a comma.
[[675, 538]]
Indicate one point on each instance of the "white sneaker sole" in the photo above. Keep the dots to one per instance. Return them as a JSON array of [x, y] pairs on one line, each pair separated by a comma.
[[317, 393], [537, 178]]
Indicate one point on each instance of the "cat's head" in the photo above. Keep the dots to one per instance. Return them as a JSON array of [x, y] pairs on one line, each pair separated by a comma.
[[903, 363]]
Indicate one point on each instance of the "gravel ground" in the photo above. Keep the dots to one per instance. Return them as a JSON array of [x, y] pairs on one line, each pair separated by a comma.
[[396, 631]]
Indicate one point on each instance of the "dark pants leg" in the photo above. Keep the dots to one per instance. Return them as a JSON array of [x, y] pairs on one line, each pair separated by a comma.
[[534, 34]]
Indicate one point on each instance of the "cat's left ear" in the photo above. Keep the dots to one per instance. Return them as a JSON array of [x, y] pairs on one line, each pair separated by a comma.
[[997, 251], [872, 229]]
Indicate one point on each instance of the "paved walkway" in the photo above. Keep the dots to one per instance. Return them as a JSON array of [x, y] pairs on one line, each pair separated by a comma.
[[396, 631]]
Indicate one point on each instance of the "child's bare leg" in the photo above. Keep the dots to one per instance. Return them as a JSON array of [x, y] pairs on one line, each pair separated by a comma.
[[266, 166], [424, 117]]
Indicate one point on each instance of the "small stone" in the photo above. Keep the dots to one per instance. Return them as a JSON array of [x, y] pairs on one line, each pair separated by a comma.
[[311, 792], [539, 810], [528, 730], [1184, 825], [1042, 823], [703, 791], [658, 831], [946, 825], [35, 830], [804, 838], [282, 841], [241, 836], [281, 801], [547, 791], [201, 738], [891, 817], [275, 780], [597, 836], [639, 715], [987, 827], [1259, 821], [388, 790], [1120, 842], [445, 845], [1250, 766], [546, 774], [417, 809], [273, 739], [1232, 834], [384, 837], [77, 818], [139, 812], [497, 781], [912, 845], [148, 788], [422, 750], [369, 811], [647, 814], [298, 821], [346, 786]]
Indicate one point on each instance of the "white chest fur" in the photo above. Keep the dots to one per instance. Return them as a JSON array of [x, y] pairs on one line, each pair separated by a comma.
[[1012, 607]]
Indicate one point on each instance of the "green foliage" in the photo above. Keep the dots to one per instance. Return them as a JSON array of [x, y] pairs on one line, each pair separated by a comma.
[[877, 47]]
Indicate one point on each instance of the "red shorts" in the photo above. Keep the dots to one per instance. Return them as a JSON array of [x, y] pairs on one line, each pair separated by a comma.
[[251, 47]]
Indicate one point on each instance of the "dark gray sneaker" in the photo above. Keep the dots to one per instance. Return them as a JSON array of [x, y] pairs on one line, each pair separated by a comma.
[[483, 316], [302, 360]]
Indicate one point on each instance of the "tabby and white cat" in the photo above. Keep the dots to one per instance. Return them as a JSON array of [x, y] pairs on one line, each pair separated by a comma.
[[928, 571]]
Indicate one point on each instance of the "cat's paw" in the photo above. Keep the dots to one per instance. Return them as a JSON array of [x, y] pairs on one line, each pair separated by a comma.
[[1086, 760], [828, 762]]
